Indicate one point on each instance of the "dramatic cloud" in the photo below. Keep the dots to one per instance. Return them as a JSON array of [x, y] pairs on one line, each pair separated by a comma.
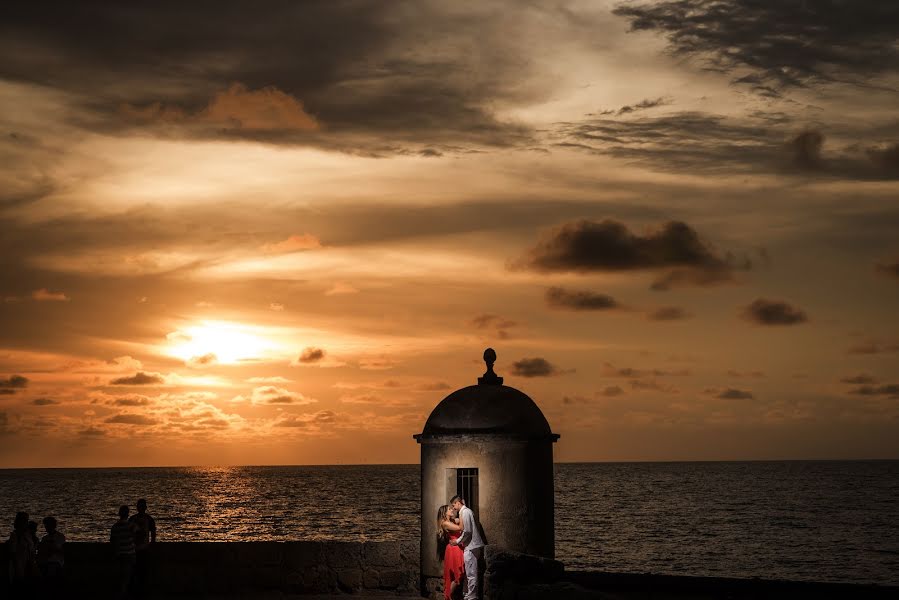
[[806, 149], [204, 360], [44, 401], [45, 295], [581, 300], [306, 420], [131, 419], [236, 108], [535, 367], [311, 355], [712, 144], [734, 394], [610, 370], [774, 46], [433, 386], [773, 312], [273, 396], [92, 432], [889, 390], [139, 378], [642, 105], [130, 400], [589, 246], [277, 76], [862, 379], [890, 270], [499, 325], [668, 313], [887, 156], [14, 382]]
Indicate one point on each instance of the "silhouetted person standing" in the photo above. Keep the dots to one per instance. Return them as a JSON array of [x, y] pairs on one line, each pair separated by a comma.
[[21, 549], [50, 557], [122, 538], [144, 535]]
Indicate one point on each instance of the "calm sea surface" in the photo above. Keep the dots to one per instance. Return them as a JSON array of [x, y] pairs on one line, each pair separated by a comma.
[[822, 521]]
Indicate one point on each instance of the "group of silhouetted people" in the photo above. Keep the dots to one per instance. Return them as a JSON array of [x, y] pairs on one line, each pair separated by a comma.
[[37, 565], [131, 538]]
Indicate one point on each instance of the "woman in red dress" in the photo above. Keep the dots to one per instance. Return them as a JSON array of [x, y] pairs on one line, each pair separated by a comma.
[[449, 528]]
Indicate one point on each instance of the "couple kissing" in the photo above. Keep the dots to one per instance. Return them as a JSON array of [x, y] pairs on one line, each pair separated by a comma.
[[460, 544]]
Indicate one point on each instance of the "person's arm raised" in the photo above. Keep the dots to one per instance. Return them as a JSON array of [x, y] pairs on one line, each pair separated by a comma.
[[450, 526]]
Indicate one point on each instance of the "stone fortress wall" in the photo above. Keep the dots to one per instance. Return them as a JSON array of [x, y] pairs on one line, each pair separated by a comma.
[[303, 567], [390, 569]]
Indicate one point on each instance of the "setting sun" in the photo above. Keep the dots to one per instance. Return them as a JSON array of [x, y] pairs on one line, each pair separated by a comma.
[[219, 342]]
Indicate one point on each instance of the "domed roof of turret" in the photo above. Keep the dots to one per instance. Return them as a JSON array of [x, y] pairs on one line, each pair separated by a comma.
[[488, 407]]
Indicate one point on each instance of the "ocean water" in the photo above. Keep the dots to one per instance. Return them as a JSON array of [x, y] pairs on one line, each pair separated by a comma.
[[820, 521]]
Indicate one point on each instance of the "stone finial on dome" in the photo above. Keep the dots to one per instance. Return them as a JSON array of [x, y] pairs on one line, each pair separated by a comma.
[[489, 377]]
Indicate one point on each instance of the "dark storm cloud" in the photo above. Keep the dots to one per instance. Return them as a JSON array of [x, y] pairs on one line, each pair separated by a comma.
[[139, 378], [668, 313], [642, 105], [44, 401], [92, 432], [580, 300], [388, 73], [590, 246], [13, 382], [699, 142], [311, 355], [887, 157], [535, 367], [806, 147], [131, 419], [890, 270], [774, 312], [890, 390], [775, 45], [734, 394], [130, 401]]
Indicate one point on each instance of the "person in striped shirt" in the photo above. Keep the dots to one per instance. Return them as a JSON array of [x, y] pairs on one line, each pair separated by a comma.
[[121, 536]]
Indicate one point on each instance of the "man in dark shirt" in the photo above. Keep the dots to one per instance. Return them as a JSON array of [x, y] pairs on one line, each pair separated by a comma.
[[144, 535]]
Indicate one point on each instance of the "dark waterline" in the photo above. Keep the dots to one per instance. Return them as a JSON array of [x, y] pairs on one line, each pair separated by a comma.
[[804, 520]]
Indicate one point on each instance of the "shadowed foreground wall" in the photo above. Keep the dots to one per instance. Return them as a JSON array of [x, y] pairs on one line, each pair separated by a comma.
[[290, 567]]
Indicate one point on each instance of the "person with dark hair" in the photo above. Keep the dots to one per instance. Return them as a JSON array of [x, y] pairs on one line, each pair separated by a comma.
[[472, 546], [448, 528], [144, 536], [121, 536], [20, 546], [50, 557]]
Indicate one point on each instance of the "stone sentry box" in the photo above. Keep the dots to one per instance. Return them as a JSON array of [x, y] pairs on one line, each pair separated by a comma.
[[491, 444]]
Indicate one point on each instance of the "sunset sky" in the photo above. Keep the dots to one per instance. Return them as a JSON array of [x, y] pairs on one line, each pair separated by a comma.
[[242, 236]]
